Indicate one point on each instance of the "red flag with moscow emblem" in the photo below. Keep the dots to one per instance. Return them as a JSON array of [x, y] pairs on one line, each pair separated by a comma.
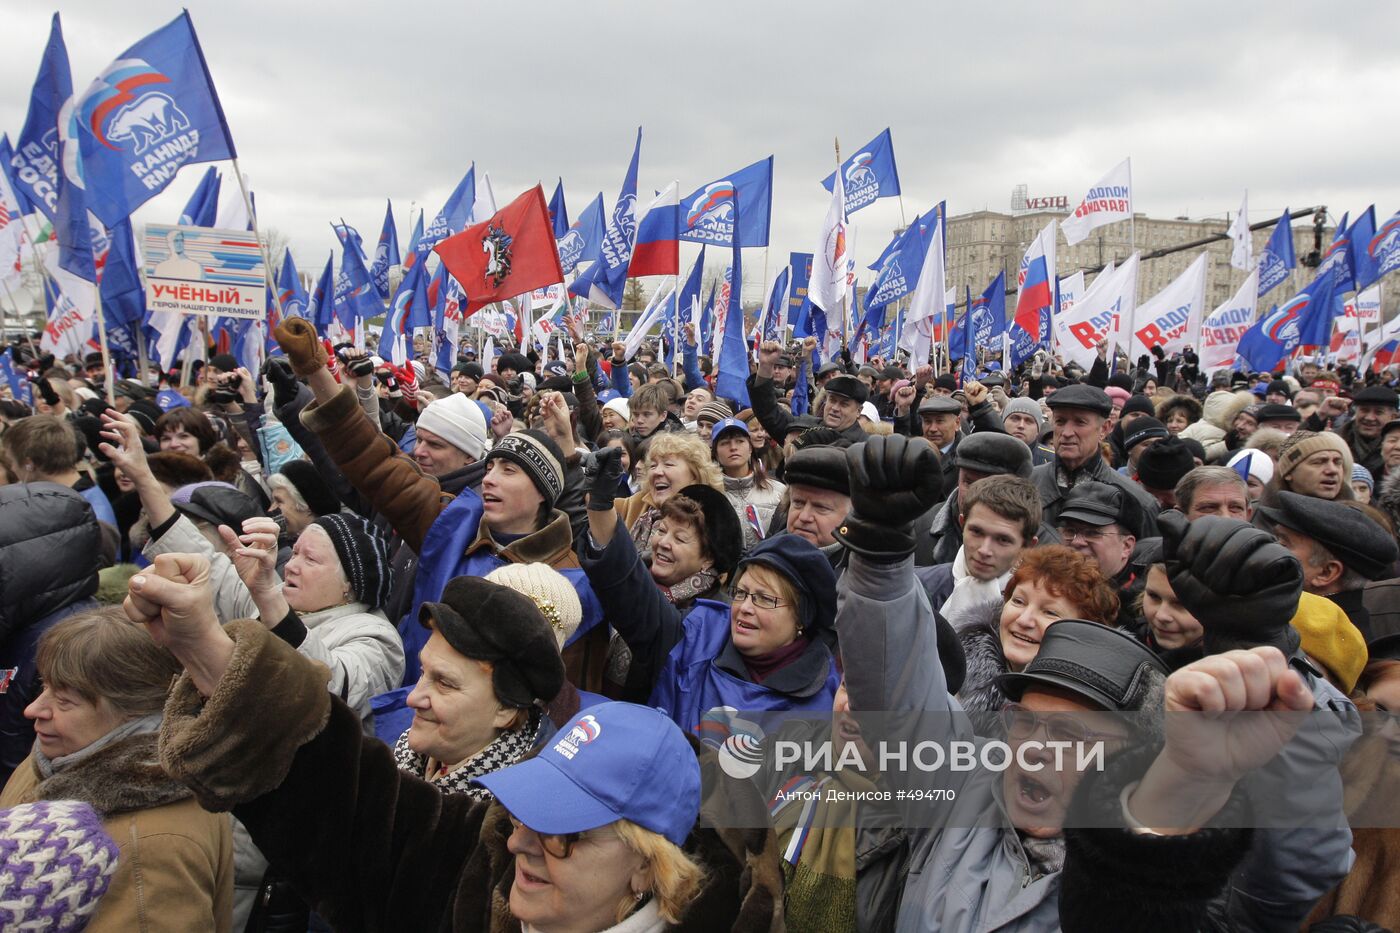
[[510, 254]]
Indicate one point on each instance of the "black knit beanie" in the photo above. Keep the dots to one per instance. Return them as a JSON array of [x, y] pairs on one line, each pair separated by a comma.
[[364, 556]]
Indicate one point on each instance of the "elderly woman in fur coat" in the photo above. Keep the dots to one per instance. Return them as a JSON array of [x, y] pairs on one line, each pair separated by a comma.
[[1050, 583], [597, 833]]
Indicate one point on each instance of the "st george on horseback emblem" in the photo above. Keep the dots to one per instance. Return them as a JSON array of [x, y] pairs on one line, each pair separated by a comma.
[[497, 247]]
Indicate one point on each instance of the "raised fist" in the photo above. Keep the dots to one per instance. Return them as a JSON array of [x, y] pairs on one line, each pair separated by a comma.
[[297, 338]]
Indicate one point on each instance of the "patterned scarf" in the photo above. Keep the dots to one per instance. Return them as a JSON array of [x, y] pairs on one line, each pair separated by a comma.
[[691, 587], [503, 751], [641, 532]]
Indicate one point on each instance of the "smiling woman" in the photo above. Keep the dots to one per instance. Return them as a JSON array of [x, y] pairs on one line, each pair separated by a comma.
[[1049, 584]]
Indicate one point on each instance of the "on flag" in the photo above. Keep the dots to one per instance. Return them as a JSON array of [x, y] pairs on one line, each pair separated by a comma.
[[1171, 318], [1100, 312], [687, 305], [900, 265], [409, 310], [291, 295], [510, 254], [1383, 252], [1108, 201], [1222, 329], [201, 209], [775, 312], [1036, 281], [1318, 305], [11, 226], [605, 280], [1268, 342], [987, 315], [652, 315], [1278, 258], [485, 203], [827, 286], [732, 358], [355, 297], [233, 213], [929, 302], [35, 161], [386, 252], [869, 174], [583, 239], [49, 162], [150, 112], [1242, 252], [74, 309], [1362, 232], [453, 217], [657, 250], [710, 212], [320, 304], [559, 211]]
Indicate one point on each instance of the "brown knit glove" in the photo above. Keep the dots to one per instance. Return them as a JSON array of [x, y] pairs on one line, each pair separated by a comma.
[[297, 338]]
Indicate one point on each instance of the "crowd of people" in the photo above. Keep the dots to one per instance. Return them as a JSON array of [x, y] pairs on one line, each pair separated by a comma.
[[466, 651]]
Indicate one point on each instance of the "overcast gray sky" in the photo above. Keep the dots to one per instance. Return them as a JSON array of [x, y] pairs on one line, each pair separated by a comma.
[[335, 106]]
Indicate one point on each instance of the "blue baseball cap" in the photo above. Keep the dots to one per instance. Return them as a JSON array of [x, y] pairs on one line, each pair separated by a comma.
[[728, 424], [613, 761]]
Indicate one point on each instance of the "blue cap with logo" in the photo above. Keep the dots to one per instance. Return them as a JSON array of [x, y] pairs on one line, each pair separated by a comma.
[[613, 761], [727, 424]]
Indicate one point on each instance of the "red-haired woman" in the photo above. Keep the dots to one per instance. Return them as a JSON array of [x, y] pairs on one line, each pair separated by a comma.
[[1050, 583]]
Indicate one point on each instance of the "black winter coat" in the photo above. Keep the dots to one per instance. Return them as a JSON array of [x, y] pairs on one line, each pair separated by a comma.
[[50, 546]]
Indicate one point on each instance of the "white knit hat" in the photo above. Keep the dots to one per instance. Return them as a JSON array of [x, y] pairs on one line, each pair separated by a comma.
[[549, 589], [1260, 466], [459, 421], [870, 412], [620, 406]]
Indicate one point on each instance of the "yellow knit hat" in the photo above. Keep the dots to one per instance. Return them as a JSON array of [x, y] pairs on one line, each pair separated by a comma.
[[1330, 639]]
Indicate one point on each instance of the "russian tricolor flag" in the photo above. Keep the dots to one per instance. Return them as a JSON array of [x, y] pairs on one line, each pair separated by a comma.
[[658, 249], [1036, 281]]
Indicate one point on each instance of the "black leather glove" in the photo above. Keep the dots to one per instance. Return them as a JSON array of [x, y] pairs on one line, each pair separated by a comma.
[[284, 382], [894, 480], [1239, 583], [604, 471]]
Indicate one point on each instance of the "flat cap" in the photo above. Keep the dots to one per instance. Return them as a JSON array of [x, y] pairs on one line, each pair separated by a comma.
[[1082, 396], [940, 405], [1377, 395], [850, 387], [1103, 504], [1275, 412], [1359, 543], [994, 454]]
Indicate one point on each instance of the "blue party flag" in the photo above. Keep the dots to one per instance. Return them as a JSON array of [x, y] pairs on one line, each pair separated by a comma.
[[868, 174], [150, 112], [709, 213]]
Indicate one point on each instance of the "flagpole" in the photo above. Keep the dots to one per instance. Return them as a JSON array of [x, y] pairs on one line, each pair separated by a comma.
[[845, 307], [108, 378], [257, 235]]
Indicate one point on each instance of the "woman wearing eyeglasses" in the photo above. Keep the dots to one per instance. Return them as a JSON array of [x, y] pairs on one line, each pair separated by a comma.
[[770, 649], [595, 834], [1050, 583]]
